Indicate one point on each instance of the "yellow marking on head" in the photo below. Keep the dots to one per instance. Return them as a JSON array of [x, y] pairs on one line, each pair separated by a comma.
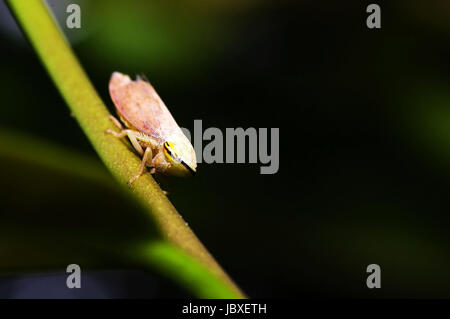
[[178, 166], [170, 151]]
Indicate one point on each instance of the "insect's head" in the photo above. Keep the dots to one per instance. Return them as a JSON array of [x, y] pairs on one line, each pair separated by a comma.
[[180, 166]]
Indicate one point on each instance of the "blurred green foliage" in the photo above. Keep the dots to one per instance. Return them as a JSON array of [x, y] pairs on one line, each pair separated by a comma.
[[46, 226]]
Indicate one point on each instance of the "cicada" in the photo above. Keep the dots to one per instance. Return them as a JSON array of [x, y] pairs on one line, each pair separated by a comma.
[[150, 127]]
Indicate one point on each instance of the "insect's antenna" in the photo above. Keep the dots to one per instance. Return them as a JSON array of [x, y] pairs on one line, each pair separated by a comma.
[[142, 77]]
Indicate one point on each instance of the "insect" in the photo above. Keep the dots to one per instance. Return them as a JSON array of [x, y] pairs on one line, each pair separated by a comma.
[[150, 127]]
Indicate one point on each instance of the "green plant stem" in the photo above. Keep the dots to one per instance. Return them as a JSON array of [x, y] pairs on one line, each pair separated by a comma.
[[92, 115]]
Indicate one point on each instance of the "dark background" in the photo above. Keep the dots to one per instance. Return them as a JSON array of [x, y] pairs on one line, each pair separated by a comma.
[[364, 118]]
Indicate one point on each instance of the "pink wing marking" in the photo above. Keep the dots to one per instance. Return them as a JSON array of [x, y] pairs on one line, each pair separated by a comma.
[[139, 104]]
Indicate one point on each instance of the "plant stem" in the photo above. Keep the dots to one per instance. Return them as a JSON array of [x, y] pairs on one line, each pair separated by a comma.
[[92, 115]]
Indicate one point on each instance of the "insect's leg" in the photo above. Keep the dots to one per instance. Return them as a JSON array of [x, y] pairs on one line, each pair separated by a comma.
[[115, 122], [115, 134], [131, 135], [160, 162], [147, 155], [134, 141]]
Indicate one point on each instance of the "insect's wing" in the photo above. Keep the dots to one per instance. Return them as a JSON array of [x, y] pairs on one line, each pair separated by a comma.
[[140, 106]]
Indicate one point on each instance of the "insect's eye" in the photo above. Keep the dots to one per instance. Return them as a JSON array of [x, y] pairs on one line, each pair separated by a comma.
[[169, 150]]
